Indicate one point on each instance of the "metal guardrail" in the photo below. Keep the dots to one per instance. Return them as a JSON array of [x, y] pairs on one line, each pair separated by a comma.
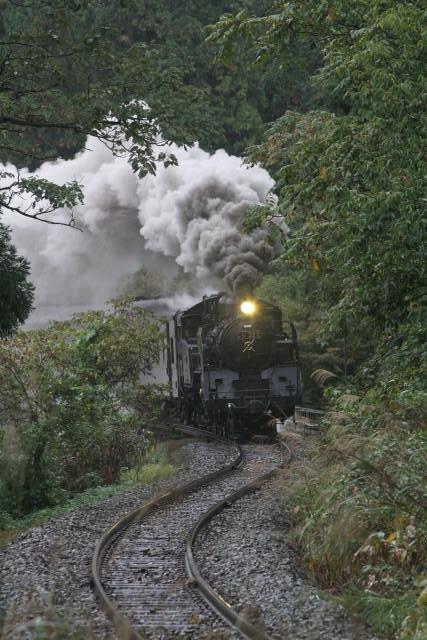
[[303, 414], [309, 419]]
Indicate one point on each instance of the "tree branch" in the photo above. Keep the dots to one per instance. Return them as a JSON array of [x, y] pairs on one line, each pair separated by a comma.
[[24, 153], [42, 125], [38, 216]]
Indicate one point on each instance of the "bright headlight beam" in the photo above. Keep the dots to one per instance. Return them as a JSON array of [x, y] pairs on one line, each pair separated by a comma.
[[247, 307]]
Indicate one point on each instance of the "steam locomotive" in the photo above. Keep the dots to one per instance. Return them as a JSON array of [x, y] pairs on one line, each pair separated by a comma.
[[233, 365]]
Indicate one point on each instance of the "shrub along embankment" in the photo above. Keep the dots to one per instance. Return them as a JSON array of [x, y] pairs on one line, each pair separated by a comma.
[[359, 512], [72, 408], [160, 461]]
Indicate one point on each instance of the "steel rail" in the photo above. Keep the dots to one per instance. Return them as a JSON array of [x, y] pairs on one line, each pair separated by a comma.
[[201, 433], [221, 606], [192, 431], [120, 621]]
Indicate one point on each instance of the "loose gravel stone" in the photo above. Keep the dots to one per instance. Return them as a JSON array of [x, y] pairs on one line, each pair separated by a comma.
[[244, 555], [144, 574], [46, 570]]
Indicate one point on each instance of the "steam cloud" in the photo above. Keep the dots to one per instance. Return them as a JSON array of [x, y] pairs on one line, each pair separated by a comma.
[[186, 218]]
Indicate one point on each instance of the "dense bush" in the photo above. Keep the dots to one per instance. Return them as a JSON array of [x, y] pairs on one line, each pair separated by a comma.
[[360, 514], [72, 405], [16, 292], [319, 350]]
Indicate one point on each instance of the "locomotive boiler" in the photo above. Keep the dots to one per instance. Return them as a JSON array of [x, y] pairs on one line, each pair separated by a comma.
[[233, 364]]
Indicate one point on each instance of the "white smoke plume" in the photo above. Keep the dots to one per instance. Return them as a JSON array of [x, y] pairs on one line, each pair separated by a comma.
[[187, 218]]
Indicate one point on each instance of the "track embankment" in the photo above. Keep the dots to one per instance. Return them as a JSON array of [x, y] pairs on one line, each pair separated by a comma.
[[239, 550]]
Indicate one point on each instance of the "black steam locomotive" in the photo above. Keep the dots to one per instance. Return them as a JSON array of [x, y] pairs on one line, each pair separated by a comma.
[[233, 365]]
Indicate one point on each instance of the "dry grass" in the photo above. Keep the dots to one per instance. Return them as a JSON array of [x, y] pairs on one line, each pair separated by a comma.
[[39, 619], [353, 498]]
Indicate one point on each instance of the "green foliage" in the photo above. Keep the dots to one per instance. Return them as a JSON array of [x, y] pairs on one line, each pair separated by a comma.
[[360, 513], [157, 465], [353, 217], [158, 462], [294, 293], [352, 182], [64, 77], [398, 369], [351, 185], [16, 293], [237, 100], [72, 405], [387, 614]]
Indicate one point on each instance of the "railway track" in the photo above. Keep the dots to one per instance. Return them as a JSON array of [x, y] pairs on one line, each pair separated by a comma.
[[144, 571]]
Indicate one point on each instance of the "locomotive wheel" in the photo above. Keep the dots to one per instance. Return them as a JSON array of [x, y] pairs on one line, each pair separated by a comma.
[[182, 413], [225, 427], [199, 417], [210, 413], [195, 417]]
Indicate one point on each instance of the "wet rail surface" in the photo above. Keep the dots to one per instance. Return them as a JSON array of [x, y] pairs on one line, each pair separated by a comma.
[[144, 562]]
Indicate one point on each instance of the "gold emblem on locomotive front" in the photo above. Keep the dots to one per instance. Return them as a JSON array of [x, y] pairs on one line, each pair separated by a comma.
[[248, 346]]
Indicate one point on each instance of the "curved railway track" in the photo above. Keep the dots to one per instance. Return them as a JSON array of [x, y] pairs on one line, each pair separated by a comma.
[[143, 568]]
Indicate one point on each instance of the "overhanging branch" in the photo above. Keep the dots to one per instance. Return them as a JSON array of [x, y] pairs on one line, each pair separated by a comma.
[[72, 223]]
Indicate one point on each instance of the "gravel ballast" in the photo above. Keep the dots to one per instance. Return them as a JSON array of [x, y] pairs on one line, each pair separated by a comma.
[[243, 553], [46, 570], [144, 572]]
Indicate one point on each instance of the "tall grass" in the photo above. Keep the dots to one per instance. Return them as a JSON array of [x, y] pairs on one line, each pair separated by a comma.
[[358, 511], [157, 464]]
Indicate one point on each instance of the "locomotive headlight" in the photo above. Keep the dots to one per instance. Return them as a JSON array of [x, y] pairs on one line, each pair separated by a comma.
[[248, 308]]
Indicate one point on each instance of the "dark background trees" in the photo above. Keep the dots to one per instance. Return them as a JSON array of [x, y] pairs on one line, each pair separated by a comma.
[[16, 293], [127, 73], [65, 57]]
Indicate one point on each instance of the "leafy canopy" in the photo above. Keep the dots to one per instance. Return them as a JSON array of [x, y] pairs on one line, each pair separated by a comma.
[[63, 77], [351, 178]]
